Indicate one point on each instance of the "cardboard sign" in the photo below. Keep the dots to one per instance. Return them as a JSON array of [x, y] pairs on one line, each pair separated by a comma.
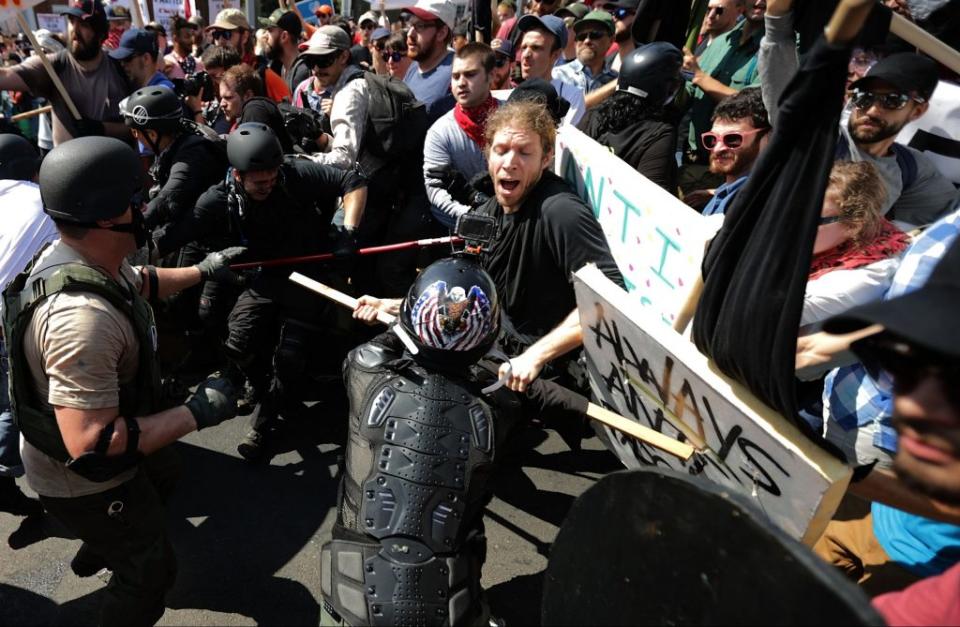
[[10, 6], [937, 132], [649, 373], [657, 240], [53, 22]]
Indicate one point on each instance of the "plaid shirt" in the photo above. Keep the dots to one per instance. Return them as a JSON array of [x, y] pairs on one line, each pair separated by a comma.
[[855, 401], [579, 75]]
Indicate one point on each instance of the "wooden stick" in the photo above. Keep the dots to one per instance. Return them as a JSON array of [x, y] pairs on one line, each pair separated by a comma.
[[336, 295], [913, 34], [689, 306], [638, 431], [22, 21], [847, 21], [31, 114], [138, 15]]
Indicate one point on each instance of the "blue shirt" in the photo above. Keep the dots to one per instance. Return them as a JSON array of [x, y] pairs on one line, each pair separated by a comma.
[[160, 79], [722, 197], [432, 88], [577, 74]]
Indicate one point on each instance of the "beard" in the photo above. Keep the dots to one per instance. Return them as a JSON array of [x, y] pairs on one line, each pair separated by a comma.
[[870, 136], [84, 51]]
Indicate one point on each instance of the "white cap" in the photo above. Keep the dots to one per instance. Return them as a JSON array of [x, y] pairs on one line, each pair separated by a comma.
[[369, 16], [326, 40], [442, 10]]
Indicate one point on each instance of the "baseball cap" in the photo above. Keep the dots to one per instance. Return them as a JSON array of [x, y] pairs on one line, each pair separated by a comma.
[[621, 4], [502, 46], [926, 316], [324, 9], [85, 9], [380, 33], [600, 18], [118, 12], [284, 20], [135, 41], [230, 19], [906, 71], [539, 90], [442, 10], [576, 10], [551, 23], [369, 16], [325, 40]]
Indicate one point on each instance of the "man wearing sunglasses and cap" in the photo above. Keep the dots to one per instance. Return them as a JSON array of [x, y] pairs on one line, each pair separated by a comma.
[[95, 84], [232, 29], [590, 70]]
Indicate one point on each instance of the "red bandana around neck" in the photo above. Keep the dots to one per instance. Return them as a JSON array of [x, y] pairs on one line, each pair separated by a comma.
[[889, 242], [473, 121]]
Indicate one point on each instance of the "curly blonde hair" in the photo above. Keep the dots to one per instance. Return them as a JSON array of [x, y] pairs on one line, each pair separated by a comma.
[[527, 115], [861, 195]]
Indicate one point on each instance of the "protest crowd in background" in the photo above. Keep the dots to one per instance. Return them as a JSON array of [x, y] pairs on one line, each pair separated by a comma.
[[208, 143]]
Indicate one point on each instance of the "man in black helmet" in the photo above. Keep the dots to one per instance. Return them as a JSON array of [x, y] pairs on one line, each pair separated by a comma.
[[632, 122], [84, 385], [96, 84], [276, 208]]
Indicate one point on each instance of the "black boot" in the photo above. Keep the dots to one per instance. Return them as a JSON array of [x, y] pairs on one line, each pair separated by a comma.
[[14, 501]]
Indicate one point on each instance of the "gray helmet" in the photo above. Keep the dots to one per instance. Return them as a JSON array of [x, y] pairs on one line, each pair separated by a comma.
[[254, 146], [157, 108], [652, 71], [88, 179], [19, 160]]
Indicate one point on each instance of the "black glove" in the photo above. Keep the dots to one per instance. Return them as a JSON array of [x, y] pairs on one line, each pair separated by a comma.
[[479, 189], [451, 180], [87, 127], [216, 265], [345, 242], [214, 401]]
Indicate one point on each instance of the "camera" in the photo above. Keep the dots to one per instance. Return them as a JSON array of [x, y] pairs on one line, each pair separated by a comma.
[[476, 230], [198, 84]]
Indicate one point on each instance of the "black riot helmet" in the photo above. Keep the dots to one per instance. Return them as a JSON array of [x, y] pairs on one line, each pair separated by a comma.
[[19, 160], [89, 179], [254, 146], [156, 108], [452, 312], [652, 71]]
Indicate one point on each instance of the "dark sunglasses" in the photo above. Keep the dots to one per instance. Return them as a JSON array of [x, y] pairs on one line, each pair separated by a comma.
[[620, 13], [729, 140], [392, 56], [221, 34], [501, 61], [908, 364], [717, 10], [320, 61], [892, 102], [830, 220], [591, 34]]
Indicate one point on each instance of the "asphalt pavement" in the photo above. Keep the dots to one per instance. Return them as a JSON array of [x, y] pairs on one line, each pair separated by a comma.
[[248, 536]]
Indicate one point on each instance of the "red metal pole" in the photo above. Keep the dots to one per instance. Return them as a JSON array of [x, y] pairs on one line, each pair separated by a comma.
[[372, 250]]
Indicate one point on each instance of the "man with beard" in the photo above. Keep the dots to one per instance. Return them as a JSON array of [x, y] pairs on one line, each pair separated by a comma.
[[283, 50], [589, 71], [726, 67], [431, 28], [893, 93], [739, 133], [623, 14], [95, 83], [455, 143], [501, 76], [231, 29], [181, 62]]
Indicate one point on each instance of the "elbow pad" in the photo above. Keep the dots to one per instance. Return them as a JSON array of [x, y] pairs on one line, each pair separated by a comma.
[[97, 466]]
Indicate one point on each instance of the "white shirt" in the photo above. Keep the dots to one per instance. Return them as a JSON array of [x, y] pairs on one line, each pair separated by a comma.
[[24, 228], [573, 95], [839, 290]]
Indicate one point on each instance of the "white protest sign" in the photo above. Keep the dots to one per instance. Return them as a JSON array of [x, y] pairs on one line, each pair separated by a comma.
[[163, 10], [937, 132], [11, 6], [656, 240], [649, 373], [53, 22]]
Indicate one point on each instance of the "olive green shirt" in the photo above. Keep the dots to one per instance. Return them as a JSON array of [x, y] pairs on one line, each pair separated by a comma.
[[732, 64]]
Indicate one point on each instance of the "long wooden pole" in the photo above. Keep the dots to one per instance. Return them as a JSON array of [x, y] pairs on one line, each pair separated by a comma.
[[911, 33], [594, 411], [31, 114], [57, 83]]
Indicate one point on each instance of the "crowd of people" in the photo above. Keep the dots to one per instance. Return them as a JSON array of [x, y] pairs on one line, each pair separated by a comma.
[[176, 180]]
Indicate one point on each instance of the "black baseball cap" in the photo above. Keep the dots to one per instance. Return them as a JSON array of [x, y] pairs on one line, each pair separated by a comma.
[[86, 9], [620, 4], [539, 90], [926, 317], [284, 20], [907, 71]]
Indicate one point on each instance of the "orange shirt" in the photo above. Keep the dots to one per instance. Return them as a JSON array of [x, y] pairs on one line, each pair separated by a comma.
[[277, 88]]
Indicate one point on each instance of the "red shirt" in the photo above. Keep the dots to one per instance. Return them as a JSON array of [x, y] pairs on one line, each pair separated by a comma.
[[931, 601]]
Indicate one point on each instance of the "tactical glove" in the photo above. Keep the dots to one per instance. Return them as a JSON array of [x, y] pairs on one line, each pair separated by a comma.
[[216, 265], [451, 180], [214, 401], [346, 242]]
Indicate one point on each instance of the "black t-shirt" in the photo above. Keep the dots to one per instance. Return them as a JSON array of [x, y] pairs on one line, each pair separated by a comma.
[[649, 146], [265, 111], [360, 55], [184, 171], [536, 251], [294, 220]]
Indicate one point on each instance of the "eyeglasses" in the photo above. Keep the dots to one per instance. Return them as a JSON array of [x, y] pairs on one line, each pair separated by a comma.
[[891, 102], [717, 10], [320, 61], [908, 364], [221, 34], [501, 61], [619, 13], [728, 140], [392, 56], [830, 220], [592, 34], [422, 26]]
